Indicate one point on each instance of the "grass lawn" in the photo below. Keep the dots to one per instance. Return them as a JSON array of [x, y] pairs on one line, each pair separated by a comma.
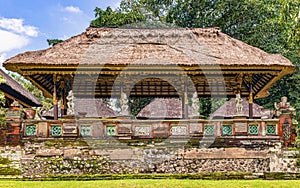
[[147, 183]]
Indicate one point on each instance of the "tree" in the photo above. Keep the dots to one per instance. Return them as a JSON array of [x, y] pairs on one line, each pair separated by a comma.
[[52, 42], [111, 18], [155, 10]]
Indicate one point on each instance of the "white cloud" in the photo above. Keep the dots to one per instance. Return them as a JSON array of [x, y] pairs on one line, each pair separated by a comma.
[[14, 34], [72, 9], [10, 41], [16, 26], [2, 57]]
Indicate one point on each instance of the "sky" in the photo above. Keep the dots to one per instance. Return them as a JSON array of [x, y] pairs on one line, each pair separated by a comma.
[[25, 25]]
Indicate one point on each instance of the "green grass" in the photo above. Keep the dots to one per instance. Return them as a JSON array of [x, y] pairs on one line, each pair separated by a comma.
[[148, 183]]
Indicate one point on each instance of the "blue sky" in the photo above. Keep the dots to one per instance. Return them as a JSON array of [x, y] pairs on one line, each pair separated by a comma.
[[25, 25]]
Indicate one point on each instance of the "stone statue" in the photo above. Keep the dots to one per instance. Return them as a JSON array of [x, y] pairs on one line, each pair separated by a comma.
[[195, 105], [284, 107], [71, 107], [238, 104], [283, 102], [124, 105]]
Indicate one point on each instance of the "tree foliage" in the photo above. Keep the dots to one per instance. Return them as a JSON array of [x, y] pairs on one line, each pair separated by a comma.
[[52, 42], [137, 104], [111, 18]]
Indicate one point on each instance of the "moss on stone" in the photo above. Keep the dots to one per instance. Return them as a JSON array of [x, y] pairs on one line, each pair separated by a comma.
[[4, 161]]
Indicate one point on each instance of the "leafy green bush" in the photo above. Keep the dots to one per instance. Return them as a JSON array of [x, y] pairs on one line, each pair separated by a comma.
[[9, 171]]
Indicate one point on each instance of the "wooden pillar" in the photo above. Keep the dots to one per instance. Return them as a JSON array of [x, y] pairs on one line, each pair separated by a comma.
[[185, 102], [63, 102], [250, 102], [63, 108], [55, 105]]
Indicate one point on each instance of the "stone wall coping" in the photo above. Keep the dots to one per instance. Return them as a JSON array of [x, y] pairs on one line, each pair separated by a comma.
[[153, 121]]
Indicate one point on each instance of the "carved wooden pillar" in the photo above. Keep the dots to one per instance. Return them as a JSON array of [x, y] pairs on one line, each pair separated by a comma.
[[55, 103]]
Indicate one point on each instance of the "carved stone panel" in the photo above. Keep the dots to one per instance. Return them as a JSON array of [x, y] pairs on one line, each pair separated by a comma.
[[241, 127], [56, 130], [30, 130], [43, 129], [85, 130], [179, 130], [111, 130], [142, 131]]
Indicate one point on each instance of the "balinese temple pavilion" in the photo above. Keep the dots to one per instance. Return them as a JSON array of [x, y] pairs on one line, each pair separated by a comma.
[[160, 63]]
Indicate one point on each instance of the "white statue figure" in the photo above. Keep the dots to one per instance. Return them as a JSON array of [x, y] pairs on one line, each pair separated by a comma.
[[238, 104], [124, 105], [195, 105], [71, 107]]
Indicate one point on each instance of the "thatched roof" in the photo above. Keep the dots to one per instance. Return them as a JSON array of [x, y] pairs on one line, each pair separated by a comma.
[[206, 55], [228, 110], [199, 46], [169, 108], [92, 107], [16, 91]]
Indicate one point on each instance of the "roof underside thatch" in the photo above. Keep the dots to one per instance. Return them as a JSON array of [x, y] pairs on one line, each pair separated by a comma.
[[215, 63], [168, 108], [15, 91]]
